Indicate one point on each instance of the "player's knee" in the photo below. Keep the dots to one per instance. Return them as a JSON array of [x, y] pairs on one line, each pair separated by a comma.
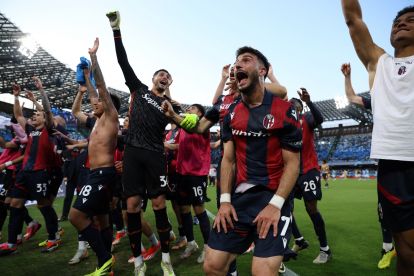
[[158, 203], [213, 266]]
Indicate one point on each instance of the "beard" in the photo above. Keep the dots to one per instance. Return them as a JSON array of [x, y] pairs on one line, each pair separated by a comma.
[[254, 80]]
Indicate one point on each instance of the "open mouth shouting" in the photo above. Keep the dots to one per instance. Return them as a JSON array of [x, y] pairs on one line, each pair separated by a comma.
[[241, 78]]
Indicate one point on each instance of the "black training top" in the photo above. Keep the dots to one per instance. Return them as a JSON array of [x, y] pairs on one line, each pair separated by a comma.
[[147, 120]]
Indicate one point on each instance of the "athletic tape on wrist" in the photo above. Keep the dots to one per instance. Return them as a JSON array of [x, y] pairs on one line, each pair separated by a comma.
[[277, 201], [225, 197]]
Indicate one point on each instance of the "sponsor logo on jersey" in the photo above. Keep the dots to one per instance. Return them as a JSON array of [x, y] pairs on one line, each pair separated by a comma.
[[152, 102]]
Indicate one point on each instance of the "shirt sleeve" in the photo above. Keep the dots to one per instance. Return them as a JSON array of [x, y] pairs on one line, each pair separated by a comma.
[[366, 102], [213, 114], [226, 134], [131, 80], [291, 134]]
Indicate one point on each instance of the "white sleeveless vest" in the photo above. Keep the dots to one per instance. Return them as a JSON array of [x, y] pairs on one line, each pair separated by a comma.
[[392, 99]]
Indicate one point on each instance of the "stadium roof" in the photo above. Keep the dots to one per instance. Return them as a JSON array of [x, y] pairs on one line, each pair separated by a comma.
[[21, 59]]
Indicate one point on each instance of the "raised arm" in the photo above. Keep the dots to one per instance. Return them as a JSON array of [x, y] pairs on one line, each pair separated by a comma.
[[45, 102], [76, 106], [222, 83], [274, 86], [131, 79], [317, 117], [31, 96], [349, 90], [17, 110], [367, 51], [108, 106]]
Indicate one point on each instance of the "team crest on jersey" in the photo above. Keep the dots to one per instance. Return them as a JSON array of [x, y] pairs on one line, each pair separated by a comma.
[[402, 70], [268, 121], [231, 115]]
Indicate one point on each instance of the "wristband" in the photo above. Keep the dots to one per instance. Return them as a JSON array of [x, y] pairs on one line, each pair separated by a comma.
[[8, 163], [277, 201], [225, 197]]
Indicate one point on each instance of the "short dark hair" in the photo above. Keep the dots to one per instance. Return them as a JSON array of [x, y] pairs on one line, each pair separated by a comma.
[[257, 53], [297, 100], [404, 11], [116, 101], [161, 70], [200, 108]]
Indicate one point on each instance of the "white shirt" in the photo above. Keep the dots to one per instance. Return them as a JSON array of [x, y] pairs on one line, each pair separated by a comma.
[[392, 99]]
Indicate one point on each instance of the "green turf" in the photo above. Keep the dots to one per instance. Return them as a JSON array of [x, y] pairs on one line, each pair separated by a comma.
[[348, 207]]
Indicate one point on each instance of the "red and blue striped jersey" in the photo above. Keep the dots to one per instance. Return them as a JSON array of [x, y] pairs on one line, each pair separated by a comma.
[[39, 153], [259, 135]]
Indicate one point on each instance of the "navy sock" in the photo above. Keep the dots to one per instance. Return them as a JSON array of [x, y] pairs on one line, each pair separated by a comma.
[[134, 233], [386, 235], [181, 231], [204, 226], [163, 229], [27, 218], [116, 215], [3, 213], [51, 220], [295, 230], [15, 224], [93, 237], [106, 235], [319, 226], [188, 226]]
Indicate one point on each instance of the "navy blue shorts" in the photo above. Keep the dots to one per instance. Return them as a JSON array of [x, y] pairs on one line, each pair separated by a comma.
[[308, 186], [95, 197], [56, 178], [248, 205], [191, 190], [7, 179], [396, 194], [33, 185]]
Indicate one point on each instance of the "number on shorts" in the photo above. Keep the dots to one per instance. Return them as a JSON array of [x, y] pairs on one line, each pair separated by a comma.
[[310, 186], [3, 191], [285, 227], [163, 180], [41, 187], [85, 191], [198, 191]]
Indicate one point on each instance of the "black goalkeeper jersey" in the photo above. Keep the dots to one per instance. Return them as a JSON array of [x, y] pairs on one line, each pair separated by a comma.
[[147, 120]]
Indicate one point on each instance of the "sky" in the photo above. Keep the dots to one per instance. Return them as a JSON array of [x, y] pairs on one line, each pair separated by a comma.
[[306, 41]]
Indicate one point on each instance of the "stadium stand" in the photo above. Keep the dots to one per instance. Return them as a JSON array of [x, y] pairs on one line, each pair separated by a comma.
[[19, 61]]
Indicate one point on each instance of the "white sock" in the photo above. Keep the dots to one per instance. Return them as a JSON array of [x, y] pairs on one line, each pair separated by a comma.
[[32, 223], [142, 247], [326, 248], [138, 261], [19, 237], [191, 242], [166, 257], [153, 239], [387, 246], [82, 245]]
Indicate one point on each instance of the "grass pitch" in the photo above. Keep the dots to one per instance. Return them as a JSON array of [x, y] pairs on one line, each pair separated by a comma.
[[348, 208]]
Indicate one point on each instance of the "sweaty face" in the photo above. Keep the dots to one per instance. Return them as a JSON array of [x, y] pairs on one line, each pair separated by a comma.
[[161, 81], [247, 72], [38, 118], [97, 109], [402, 32], [193, 110]]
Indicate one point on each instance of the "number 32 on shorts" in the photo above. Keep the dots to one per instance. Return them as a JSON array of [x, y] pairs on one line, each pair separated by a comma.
[[163, 180]]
